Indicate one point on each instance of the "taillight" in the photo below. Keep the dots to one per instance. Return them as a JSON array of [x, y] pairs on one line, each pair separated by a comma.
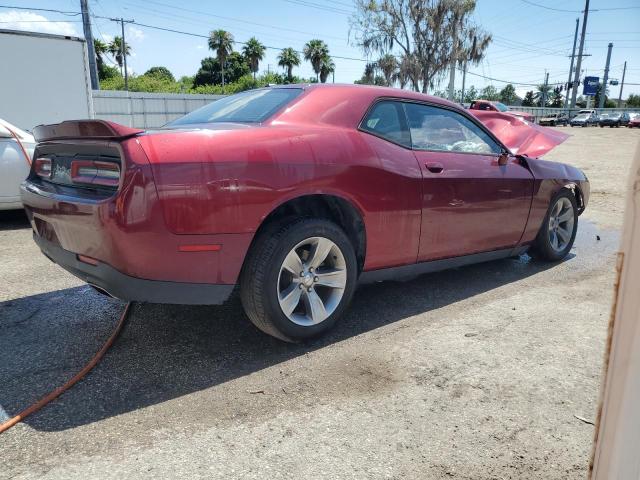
[[42, 167], [95, 173]]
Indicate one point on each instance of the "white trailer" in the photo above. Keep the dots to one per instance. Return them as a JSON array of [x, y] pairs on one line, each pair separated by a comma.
[[45, 79]]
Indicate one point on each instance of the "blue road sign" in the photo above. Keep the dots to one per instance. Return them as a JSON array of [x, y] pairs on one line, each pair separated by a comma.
[[590, 86]]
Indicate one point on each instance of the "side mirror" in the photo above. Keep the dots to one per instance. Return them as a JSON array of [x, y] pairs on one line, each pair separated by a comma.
[[503, 159]]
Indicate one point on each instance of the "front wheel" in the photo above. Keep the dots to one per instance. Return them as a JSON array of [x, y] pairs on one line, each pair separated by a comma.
[[558, 231], [298, 279]]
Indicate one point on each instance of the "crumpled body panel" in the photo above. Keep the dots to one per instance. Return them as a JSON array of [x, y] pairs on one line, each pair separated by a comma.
[[519, 136]]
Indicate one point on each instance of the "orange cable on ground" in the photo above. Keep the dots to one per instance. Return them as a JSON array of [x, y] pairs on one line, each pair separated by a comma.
[[72, 381]]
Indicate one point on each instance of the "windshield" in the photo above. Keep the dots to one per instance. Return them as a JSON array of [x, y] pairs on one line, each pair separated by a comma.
[[501, 106], [582, 116], [253, 106]]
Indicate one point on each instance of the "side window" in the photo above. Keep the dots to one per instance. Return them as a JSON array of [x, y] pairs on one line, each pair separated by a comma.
[[386, 119], [439, 129]]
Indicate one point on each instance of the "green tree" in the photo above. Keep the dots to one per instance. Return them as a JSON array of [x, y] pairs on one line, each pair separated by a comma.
[[490, 93], [388, 65], [116, 51], [162, 73], [432, 33], [543, 92], [633, 100], [326, 67], [221, 42], [254, 52], [100, 49], [470, 94], [556, 98], [528, 101], [210, 72], [315, 51], [288, 59], [508, 94]]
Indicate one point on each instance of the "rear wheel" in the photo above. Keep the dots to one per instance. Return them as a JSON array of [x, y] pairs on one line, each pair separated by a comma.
[[298, 279], [558, 231]]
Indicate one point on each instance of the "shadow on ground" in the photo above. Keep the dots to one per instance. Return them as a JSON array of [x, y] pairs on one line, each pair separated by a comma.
[[167, 351], [13, 220]]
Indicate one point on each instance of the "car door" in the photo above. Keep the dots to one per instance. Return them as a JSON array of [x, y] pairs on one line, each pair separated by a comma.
[[471, 203]]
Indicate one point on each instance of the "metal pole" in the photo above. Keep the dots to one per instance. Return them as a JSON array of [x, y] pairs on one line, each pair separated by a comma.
[[576, 78], [573, 56], [544, 91], [624, 70], [603, 92], [123, 51], [86, 26], [464, 78]]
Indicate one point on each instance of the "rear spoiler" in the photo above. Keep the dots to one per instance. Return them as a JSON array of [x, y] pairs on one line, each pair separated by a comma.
[[81, 129]]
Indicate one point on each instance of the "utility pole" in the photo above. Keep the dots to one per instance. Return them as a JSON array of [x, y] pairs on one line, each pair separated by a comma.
[[544, 91], [123, 49], [624, 70], [576, 78], [605, 80], [464, 78], [573, 56], [86, 25]]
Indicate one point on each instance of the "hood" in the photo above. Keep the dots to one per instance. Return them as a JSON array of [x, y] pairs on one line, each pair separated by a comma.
[[521, 137]]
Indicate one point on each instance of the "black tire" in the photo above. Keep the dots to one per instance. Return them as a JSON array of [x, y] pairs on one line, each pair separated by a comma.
[[541, 247], [259, 277]]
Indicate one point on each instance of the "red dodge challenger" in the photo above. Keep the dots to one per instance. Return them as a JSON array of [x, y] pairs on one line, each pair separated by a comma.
[[293, 194]]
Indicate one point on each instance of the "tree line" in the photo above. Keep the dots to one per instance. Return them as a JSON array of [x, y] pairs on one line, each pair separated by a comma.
[[228, 71]]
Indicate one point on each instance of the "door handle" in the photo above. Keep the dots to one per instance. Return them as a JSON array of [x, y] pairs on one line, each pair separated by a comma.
[[434, 167]]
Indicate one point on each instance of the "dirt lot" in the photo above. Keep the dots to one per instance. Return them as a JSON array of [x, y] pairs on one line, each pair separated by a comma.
[[474, 373]]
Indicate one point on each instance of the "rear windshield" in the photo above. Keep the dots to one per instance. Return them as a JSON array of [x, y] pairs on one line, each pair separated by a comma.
[[253, 106]]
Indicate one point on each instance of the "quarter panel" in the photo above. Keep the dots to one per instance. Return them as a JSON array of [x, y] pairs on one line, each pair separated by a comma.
[[213, 182]]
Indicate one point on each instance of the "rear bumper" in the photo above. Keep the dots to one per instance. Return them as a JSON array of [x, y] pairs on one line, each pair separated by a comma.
[[129, 288]]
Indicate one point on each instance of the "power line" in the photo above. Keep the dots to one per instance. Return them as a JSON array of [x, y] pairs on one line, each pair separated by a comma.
[[71, 14], [235, 19], [577, 11]]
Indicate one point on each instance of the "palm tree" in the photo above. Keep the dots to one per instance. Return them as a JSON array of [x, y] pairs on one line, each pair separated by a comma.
[[542, 94], [326, 67], [221, 42], [314, 51], [288, 59], [388, 65], [100, 48], [115, 49], [253, 52]]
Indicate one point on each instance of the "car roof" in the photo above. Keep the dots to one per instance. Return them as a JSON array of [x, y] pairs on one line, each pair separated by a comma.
[[373, 91]]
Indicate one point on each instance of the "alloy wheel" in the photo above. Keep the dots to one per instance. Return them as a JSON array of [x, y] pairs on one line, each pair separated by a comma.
[[561, 222], [311, 281]]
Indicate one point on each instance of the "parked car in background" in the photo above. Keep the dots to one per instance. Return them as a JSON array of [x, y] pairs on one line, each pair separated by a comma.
[[586, 119], [554, 119], [15, 146], [613, 119], [499, 107], [294, 194], [634, 120]]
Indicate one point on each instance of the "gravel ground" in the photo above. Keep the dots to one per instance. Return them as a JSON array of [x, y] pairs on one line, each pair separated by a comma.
[[473, 373]]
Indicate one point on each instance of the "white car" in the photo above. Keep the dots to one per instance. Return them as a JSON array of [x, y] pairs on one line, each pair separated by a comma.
[[14, 166]]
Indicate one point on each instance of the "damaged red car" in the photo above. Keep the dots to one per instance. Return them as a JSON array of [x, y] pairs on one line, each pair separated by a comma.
[[294, 195]]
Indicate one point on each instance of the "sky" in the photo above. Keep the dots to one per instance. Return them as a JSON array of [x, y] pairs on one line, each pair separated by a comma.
[[530, 37]]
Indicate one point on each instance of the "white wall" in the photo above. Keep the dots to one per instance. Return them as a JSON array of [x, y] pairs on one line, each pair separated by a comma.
[[146, 110], [44, 79]]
